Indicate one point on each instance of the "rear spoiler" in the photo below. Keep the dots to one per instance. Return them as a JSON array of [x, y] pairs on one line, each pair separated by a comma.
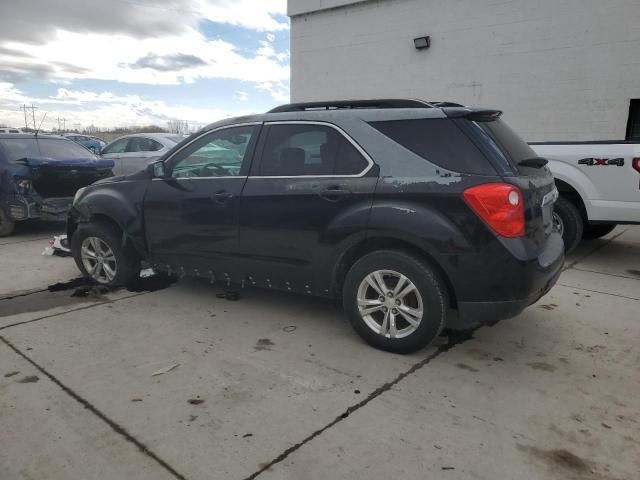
[[474, 114]]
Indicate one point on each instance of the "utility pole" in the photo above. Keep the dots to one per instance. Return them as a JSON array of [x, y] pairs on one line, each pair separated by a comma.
[[33, 116], [24, 108]]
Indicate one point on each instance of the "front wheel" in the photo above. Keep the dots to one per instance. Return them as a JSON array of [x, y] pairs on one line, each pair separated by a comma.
[[395, 301], [100, 254]]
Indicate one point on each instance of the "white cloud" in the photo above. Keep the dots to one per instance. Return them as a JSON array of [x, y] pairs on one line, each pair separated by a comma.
[[103, 109], [279, 91], [242, 96]]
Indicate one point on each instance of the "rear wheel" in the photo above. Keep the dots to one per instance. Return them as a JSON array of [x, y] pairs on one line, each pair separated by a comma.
[[100, 253], [6, 225], [597, 231], [568, 222], [395, 301]]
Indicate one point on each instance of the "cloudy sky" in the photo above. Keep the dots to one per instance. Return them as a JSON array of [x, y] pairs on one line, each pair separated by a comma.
[[137, 62]]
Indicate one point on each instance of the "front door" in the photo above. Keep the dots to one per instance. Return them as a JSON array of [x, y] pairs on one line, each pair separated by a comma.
[[310, 190], [191, 215]]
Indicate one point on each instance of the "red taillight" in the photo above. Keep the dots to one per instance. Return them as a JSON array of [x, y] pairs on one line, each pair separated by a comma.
[[500, 205], [636, 164]]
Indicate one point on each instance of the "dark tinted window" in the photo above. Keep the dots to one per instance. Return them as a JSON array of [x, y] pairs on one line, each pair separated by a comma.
[[439, 141], [61, 149], [509, 142], [633, 124], [304, 149]]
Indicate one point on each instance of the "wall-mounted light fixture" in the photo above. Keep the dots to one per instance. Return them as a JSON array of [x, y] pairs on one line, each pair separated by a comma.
[[422, 43]]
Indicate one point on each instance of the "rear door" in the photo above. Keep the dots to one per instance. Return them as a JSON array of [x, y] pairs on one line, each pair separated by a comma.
[[191, 215], [140, 151], [309, 192]]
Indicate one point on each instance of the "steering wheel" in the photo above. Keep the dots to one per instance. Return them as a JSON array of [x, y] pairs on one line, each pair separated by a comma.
[[219, 171]]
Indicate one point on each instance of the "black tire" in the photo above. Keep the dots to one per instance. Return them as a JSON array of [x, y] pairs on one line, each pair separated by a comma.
[[596, 231], [432, 293], [571, 223], [6, 225], [126, 259]]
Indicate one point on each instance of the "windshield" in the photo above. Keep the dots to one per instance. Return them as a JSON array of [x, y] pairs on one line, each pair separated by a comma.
[[57, 149]]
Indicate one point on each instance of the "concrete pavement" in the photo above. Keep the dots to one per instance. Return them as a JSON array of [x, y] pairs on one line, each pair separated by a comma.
[[278, 386]]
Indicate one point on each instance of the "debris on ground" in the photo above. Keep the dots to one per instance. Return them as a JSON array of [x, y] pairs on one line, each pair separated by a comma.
[[229, 295], [59, 246], [195, 401], [289, 328], [162, 371], [147, 272]]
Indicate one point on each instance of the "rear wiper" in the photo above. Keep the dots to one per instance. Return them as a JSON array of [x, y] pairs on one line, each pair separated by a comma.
[[535, 162]]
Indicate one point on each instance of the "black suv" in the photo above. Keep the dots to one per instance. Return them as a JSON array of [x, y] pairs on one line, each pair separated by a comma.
[[403, 209]]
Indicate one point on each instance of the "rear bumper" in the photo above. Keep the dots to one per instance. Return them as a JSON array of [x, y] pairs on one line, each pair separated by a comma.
[[539, 275]]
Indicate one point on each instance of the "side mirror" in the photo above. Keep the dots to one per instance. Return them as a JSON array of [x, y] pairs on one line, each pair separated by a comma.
[[157, 169]]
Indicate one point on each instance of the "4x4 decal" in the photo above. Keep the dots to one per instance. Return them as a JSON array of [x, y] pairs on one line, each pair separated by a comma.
[[602, 161]]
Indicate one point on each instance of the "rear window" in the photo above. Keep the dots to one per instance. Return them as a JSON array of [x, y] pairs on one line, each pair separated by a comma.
[[61, 149], [438, 141], [505, 141]]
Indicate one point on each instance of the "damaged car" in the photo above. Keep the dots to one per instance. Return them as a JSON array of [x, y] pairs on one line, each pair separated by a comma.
[[39, 176], [417, 216]]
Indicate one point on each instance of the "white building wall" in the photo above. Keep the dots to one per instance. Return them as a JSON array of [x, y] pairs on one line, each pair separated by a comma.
[[560, 69]]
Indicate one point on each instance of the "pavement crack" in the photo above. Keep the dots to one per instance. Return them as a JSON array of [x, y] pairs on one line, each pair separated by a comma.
[[119, 429], [84, 307], [604, 273], [455, 338], [12, 296]]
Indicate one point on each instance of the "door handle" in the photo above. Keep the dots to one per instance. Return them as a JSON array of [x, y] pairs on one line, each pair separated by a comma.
[[333, 194], [221, 196]]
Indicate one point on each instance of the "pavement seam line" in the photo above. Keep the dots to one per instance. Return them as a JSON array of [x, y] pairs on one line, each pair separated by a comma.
[[454, 339], [598, 248], [604, 273], [85, 307], [120, 430], [598, 291]]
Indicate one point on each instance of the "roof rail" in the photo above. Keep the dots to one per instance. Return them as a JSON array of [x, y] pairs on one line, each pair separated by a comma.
[[354, 104]]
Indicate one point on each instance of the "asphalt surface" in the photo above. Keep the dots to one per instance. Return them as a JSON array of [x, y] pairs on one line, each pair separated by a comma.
[[169, 381]]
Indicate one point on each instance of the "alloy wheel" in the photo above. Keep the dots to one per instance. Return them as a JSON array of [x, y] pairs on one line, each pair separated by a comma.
[[98, 259], [558, 224], [390, 304]]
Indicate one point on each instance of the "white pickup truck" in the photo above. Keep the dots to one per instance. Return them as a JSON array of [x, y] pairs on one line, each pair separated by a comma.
[[599, 186]]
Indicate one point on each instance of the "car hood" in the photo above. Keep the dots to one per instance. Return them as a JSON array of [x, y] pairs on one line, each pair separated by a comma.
[[89, 162]]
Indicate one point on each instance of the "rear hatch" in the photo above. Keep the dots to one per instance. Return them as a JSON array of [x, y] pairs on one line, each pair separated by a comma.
[[518, 165]]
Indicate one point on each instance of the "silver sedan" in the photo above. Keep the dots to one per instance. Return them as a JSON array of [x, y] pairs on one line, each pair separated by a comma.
[[134, 152]]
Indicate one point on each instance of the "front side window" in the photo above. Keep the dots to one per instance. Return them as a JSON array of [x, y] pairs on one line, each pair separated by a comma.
[[219, 154], [309, 150], [116, 147]]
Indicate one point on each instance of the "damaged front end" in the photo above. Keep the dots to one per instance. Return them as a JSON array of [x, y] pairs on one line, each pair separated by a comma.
[[44, 188]]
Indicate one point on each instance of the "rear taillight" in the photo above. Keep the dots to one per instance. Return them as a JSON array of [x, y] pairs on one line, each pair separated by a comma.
[[500, 205], [636, 164]]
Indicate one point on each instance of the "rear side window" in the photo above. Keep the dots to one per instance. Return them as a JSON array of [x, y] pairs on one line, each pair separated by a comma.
[[309, 150], [116, 147], [438, 141], [142, 144], [508, 141]]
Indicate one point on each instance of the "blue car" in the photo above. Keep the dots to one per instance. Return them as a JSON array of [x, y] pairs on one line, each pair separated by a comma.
[[40, 174], [90, 143]]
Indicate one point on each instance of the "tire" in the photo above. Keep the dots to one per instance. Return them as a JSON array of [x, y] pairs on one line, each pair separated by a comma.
[[430, 297], [568, 220], [125, 264], [596, 231], [6, 225]]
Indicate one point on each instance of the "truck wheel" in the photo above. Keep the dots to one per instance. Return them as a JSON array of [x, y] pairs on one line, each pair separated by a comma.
[[6, 225], [597, 231], [395, 301], [100, 254], [568, 221]]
